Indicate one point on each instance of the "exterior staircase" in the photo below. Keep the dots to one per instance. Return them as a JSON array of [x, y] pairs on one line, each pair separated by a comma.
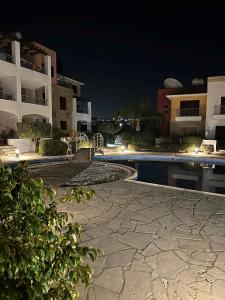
[[7, 150], [83, 155]]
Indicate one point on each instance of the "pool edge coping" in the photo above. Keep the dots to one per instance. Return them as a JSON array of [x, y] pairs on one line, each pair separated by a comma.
[[175, 188]]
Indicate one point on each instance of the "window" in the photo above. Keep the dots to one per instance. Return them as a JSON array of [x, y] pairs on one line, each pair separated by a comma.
[[52, 71], [189, 130], [44, 120], [74, 87], [62, 103], [166, 106], [165, 112], [82, 106], [43, 95], [63, 125], [189, 104], [222, 100], [189, 108]]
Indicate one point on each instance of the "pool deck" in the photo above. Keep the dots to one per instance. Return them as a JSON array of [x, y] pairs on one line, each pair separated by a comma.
[[159, 243]]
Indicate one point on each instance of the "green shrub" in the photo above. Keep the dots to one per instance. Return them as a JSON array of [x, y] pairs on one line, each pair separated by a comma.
[[85, 144], [125, 136], [131, 147], [191, 139], [143, 139], [52, 148], [40, 252], [58, 133]]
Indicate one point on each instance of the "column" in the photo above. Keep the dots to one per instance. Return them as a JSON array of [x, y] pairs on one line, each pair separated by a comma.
[[48, 86], [74, 114], [89, 117], [15, 46]]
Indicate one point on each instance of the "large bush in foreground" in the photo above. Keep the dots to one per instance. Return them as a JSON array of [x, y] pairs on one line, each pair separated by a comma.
[[33, 131], [52, 148], [40, 253]]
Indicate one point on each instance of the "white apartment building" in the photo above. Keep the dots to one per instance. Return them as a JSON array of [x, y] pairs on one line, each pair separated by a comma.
[[215, 110], [25, 88]]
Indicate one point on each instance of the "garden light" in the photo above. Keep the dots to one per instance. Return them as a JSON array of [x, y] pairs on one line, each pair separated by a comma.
[[17, 151], [196, 150]]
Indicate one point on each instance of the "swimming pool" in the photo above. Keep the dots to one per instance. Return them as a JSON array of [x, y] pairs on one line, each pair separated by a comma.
[[189, 175]]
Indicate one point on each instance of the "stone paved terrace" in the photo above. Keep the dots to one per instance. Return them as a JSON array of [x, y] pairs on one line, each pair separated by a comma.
[[159, 243]]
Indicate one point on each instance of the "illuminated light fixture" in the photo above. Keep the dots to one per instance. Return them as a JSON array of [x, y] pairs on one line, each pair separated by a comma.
[[17, 151], [196, 150], [121, 124]]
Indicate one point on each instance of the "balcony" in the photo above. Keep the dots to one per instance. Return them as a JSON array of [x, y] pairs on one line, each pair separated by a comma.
[[7, 96], [219, 110], [6, 57], [188, 114], [28, 65], [82, 106], [32, 100]]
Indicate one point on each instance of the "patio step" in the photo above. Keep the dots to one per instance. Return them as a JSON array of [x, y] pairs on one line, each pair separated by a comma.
[[7, 150]]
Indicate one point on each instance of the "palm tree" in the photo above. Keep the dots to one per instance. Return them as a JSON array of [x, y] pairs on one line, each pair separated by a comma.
[[137, 112]]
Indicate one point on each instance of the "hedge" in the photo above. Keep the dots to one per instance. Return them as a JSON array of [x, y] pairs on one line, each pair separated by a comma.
[[193, 140], [52, 148], [143, 139]]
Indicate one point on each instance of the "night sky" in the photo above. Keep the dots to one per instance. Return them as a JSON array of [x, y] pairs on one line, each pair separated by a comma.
[[124, 51]]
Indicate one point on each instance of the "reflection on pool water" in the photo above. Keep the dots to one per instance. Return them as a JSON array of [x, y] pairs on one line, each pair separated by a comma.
[[190, 175]]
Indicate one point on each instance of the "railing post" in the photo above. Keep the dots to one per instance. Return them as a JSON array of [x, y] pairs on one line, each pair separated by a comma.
[[15, 46]]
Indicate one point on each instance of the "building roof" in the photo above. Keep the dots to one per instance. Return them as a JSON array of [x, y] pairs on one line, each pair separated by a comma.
[[69, 80], [194, 89], [26, 47]]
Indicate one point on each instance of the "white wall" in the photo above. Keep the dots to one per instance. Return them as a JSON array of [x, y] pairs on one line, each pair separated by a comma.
[[24, 145], [76, 117], [216, 90], [11, 77]]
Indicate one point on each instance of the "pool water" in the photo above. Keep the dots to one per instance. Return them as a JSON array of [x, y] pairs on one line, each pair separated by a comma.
[[189, 175]]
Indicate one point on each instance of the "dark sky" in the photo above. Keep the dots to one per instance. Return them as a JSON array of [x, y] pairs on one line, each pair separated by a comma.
[[124, 50]]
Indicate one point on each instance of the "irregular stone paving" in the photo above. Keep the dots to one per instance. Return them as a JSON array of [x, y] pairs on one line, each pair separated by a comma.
[[159, 243]]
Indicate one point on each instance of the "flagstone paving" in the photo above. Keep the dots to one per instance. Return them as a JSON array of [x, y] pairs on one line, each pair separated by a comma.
[[159, 243]]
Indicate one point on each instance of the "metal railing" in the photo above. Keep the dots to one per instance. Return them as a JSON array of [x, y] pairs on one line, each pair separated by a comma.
[[219, 109], [32, 100], [28, 65], [7, 96], [6, 57], [82, 110], [188, 112]]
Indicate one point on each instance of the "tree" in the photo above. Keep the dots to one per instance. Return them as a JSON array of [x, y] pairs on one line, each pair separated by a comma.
[[108, 127], [137, 112], [34, 131], [40, 253]]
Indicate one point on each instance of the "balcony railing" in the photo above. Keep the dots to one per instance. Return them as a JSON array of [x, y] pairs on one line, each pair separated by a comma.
[[188, 112], [7, 96], [6, 57], [81, 110], [28, 65], [219, 109], [32, 100]]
